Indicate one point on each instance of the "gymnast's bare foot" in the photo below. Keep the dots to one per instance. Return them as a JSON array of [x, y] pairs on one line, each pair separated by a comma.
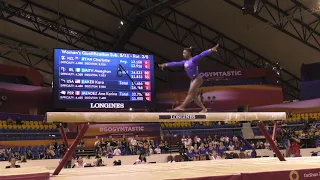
[[204, 110], [178, 108]]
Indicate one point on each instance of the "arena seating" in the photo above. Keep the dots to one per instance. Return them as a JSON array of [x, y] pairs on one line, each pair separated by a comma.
[[300, 117], [36, 150], [199, 125], [27, 130]]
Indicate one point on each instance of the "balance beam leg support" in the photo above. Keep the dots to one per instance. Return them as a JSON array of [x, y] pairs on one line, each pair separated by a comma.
[[274, 134], [271, 142], [63, 135], [71, 149]]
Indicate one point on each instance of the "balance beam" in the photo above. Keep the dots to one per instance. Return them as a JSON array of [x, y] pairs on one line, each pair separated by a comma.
[[145, 117]]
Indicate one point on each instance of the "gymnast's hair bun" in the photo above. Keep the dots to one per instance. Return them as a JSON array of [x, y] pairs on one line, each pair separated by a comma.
[[190, 49]]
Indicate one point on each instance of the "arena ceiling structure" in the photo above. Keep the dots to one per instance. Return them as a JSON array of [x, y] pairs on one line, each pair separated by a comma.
[[279, 32]]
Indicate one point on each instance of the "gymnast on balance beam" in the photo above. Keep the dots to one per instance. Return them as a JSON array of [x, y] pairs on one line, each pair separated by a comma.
[[191, 67]]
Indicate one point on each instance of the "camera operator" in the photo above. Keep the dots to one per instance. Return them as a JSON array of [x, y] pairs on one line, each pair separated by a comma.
[[294, 147]]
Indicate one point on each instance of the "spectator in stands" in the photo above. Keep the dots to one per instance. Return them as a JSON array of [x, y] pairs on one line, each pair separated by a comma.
[[9, 152], [210, 149], [166, 147], [125, 145], [108, 152], [79, 163], [50, 152], [23, 159], [221, 148], [206, 143], [30, 154], [113, 143], [117, 151], [133, 143], [103, 143], [215, 156], [96, 145], [147, 148], [252, 144], [231, 147], [152, 145], [190, 153], [161, 145], [267, 145], [226, 141], [42, 155], [16, 155], [189, 141], [196, 154], [55, 144], [184, 141], [209, 139], [9, 121], [202, 152], [196, 141], [81, 146], [235, 138], [141, 148], [259, 145], [157, 150], [18, 121], [62, 149], [3, 154], [294, 147], [151, 151], [222, 139], [241, 146], [12, 163]]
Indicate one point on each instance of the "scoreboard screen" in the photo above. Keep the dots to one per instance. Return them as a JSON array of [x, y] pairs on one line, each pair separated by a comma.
[[99, 80]]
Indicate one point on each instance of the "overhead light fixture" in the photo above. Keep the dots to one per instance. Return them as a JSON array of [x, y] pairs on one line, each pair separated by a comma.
[[122, 23]]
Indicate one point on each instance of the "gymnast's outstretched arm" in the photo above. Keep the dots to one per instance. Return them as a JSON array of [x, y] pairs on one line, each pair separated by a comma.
[[171, 64], [206, 53]]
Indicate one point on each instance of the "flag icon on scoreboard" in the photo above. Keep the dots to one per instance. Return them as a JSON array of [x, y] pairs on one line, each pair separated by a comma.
[[77, 93], [77, 69], [77, 81]]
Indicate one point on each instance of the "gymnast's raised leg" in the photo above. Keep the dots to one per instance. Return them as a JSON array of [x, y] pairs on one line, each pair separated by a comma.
[[193, 95]]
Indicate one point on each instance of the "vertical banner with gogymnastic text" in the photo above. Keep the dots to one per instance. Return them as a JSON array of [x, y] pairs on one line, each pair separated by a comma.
[[126, 129]]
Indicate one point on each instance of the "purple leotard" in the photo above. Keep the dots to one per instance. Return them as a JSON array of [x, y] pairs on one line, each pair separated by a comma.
[[196, 152], [202, 151], [191, 65], [210, 150], [190, 153]]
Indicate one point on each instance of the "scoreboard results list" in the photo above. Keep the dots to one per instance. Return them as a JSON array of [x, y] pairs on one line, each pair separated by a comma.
[[99, 80]]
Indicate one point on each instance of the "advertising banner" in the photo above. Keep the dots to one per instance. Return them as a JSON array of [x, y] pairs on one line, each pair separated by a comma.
[[149, 129], [228, 75]]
